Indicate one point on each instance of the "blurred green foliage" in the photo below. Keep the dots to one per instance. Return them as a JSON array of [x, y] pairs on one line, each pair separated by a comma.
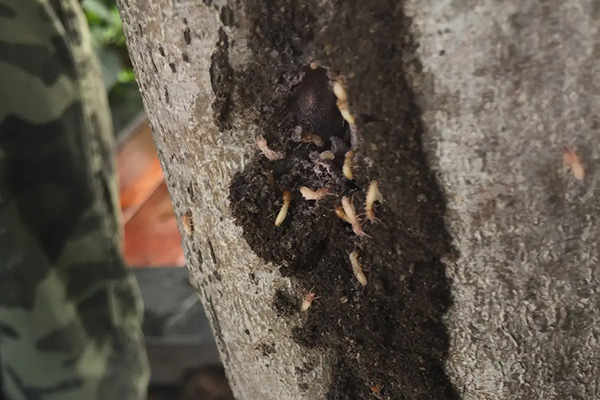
[[106, 28], [108, 38]]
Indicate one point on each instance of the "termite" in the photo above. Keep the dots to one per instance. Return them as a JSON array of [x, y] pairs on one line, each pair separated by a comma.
[[309, 194], [375, 389], [347, 167], [272, 155], [345, 111], [308, 137], [314, 65], [357, 269], [340, 91], [187, 221], [287, 199], [373, 195], [351, 214], [342, 101], [307, 302], [572, 158], [339, 211], [327, 155]]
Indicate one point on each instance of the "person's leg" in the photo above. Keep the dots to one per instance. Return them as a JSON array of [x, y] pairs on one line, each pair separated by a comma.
[[70, 312]]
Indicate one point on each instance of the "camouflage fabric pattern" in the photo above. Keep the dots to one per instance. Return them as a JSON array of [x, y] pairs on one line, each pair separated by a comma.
[[70, 313]]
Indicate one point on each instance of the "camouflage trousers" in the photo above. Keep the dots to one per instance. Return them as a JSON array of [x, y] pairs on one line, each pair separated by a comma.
[[70, 312]]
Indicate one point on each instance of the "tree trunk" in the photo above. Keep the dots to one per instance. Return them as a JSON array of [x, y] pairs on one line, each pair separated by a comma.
[[482, 271]]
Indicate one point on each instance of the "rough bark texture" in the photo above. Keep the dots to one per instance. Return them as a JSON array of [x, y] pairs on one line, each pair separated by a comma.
[[507, 85], [462, 109]]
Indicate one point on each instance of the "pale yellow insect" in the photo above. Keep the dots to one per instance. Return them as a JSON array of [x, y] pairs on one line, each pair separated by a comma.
[[272, 155], [347, 167], [308, 137], [376, 389], [340, 91], [327, 155], [373, 195], [307, 302], [342, 100], [345, 111], [287, 199], [351, 214], [309, 194], [339, 211], [314, 65], [572, 158], [357, 269], [187, 221]]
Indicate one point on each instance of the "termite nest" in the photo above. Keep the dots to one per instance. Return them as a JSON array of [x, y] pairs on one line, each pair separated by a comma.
[[309, 182], [365, 254]]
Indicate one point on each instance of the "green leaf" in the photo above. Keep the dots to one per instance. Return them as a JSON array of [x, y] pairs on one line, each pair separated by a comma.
[[99, 9], [126, 76]]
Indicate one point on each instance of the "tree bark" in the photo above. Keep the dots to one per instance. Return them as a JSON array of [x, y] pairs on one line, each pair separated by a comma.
[[462, 112]]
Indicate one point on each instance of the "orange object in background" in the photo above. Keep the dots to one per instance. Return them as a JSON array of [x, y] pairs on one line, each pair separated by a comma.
[[152, 238]]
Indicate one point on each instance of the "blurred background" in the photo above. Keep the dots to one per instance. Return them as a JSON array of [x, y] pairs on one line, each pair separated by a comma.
[[182, 352]]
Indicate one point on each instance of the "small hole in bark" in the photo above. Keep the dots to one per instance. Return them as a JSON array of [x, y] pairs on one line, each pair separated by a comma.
[[313, 105], [187, 36], [227, 16]]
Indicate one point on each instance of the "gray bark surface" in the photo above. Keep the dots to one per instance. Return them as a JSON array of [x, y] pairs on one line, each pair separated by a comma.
[[198, 162], [502, 87], [517, 81]]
